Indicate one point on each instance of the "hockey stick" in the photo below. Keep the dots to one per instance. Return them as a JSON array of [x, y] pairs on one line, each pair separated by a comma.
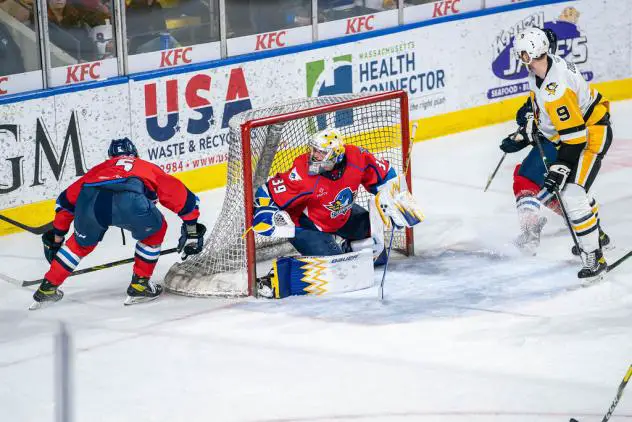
[[92, 269], [608, 414], [570, 227], [491, 177], [390, 243], [35, 230], [388, 256], [559, 199], [619, 261]]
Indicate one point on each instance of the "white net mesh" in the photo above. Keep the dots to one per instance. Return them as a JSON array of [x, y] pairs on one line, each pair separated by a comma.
[[221, 269]]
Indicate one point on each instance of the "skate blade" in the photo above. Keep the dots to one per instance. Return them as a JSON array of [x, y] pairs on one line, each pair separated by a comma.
[[587, 282], [130, 300], [41, 305], [526, 249]]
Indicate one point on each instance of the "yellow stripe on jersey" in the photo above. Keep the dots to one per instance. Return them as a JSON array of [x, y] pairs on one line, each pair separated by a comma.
[[584, 167], [567, 117]]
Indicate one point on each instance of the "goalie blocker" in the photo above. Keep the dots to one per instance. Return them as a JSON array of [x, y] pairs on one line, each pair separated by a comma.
[[318, 275]]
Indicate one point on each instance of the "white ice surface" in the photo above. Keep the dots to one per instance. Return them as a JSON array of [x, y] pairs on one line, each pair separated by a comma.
[[470, 330]]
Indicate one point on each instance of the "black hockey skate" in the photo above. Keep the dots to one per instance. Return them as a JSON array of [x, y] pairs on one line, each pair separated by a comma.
[[595, 267], [529, 240], [141, 290], [45, 295], [604, 240], [264, 286]]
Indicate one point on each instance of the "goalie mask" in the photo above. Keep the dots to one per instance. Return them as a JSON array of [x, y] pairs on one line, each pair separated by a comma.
[[326, 150]]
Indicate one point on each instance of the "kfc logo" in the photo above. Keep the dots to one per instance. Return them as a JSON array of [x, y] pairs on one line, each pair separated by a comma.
[[175, 57], [446, 7], [3, 79], [82, 72], [359, 24], [270, 40]]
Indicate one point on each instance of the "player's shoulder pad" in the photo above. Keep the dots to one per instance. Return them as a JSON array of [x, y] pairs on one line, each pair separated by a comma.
[[318, 275]]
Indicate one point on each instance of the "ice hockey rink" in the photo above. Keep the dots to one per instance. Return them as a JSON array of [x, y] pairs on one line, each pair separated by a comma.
[[470, 329]]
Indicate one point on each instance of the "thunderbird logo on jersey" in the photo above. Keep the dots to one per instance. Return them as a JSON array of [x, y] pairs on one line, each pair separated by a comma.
[[341, 204], [572, 46]]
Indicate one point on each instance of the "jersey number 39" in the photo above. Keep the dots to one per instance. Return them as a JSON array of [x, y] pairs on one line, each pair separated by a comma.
[[278, 186]]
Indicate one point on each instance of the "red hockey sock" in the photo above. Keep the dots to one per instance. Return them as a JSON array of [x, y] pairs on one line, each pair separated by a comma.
[[66, 260], [148, 251]]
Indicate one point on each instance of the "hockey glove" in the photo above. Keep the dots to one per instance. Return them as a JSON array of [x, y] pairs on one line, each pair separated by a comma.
[[50, 246], [524, 113], [395, 204], [556, 177], [521, 138], [191, 239]]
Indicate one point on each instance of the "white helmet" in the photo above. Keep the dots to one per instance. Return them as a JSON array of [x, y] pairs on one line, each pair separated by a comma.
[[326, 150], [533, 41]]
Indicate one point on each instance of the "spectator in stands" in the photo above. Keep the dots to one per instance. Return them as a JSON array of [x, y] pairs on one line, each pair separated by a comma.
[[22, 10], [145, 23], [68, 27], [246, 17], [10, 55], [329, 10]]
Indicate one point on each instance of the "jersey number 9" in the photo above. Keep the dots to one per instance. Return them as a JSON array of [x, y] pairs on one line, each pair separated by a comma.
[[563, 113]]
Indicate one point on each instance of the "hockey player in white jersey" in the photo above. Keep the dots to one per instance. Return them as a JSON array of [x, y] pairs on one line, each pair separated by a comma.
[[575, 117]]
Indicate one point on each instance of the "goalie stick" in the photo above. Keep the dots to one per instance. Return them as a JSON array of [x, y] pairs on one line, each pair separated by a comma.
[[27, 283], [390, 244], [35, 230], [388, 256], [608, 414]]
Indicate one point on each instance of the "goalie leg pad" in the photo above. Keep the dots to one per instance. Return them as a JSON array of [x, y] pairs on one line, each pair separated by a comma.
[[318, 275]]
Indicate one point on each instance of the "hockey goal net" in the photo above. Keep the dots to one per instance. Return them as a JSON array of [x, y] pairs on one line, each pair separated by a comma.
[[266, 141]]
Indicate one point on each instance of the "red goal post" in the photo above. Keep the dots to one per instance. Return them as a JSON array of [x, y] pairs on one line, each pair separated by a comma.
[[247, 127]]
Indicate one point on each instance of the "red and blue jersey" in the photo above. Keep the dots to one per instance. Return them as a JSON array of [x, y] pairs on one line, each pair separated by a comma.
[[326, 199], [160, 186]]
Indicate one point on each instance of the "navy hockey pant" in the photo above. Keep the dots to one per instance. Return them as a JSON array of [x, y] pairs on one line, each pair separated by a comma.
[[309, 241]]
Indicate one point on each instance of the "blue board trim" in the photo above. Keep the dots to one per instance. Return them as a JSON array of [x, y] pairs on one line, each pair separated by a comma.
[[245, 58]]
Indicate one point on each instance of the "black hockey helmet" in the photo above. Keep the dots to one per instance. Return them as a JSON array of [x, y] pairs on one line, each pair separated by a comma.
[[122, 146]]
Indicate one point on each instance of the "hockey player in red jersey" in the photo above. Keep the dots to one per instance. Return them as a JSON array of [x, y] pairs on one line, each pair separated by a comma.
[[119, 192], [314, 201]]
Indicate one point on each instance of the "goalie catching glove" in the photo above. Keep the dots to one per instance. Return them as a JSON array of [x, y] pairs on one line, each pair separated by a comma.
[[395, 204], [191, 239]]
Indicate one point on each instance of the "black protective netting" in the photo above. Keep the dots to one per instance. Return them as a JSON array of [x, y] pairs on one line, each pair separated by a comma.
[[220, 270]]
